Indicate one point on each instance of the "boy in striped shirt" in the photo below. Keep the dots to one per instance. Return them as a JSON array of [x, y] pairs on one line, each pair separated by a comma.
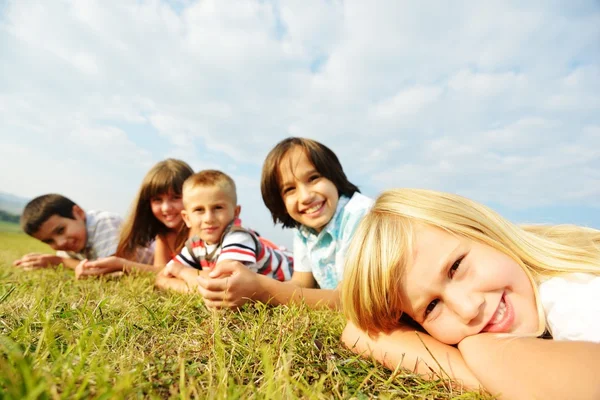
[[211, 212]]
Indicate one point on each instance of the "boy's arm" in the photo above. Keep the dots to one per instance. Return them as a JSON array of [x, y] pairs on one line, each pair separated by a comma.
[[37, 260], [176, 276], [230, 284], [164, 282], [527, 367], [412, 350]]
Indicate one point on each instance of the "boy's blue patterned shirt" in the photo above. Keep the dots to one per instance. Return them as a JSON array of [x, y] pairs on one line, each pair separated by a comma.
[[323, 253]]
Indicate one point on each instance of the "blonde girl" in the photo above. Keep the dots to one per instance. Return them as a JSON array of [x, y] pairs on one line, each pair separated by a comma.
[[473, 280], [155, 220], [304, 186]]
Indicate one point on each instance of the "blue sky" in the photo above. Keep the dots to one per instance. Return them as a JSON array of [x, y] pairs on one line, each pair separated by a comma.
[[498, 102]]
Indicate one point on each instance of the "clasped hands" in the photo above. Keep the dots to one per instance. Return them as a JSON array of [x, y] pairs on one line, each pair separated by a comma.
[[229, 284], [103, 266]]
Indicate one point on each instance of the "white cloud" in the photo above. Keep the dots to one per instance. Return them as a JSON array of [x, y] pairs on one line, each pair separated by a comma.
[[486, 84], [406, 102], [498, 101]]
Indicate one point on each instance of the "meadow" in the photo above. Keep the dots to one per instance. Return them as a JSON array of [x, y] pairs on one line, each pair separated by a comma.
[[120, 338]]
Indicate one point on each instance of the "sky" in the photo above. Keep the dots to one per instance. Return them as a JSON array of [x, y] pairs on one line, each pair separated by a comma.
[[496, 101]]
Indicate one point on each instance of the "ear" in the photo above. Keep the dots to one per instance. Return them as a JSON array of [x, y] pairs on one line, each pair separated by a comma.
[[186, 218], [237, 211], [78, 213]]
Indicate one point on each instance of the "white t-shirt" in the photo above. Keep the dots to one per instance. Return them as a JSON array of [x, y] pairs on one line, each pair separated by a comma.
[[572, 306]]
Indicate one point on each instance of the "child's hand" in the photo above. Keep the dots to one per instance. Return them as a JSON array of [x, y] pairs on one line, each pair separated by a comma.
[[173, 270], [98, 267], [37, 260], [230, 284], [80, 269]]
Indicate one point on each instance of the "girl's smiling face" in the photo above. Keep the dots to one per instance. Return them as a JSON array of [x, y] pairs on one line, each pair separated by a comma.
[[167, 208], [456, 287], [309, 198]]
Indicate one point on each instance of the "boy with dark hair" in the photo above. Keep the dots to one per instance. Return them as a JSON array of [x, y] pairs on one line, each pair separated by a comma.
[[75, 234]]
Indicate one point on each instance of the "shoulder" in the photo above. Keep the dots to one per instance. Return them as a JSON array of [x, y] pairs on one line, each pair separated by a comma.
[[569, 301], [238, 235], [95, 217], [358, 203], [240, 239], [161, 240], [354, 210]]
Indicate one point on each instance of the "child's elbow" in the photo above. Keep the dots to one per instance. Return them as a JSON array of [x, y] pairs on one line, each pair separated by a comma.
[[351, 337]]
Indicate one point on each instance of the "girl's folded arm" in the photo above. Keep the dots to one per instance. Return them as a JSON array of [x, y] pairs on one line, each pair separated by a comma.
[[528, 367], [162, 254], [413, 350]]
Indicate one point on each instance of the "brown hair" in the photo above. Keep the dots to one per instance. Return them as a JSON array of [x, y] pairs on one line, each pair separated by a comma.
[[141, 226], [325, 162], [212, 177], [40, 209]]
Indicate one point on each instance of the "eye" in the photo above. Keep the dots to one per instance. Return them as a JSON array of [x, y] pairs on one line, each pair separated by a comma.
[[454, 267], [430, 308], [219, 207], [60, 230], [155, 200], [313, 177], [287, 190], [177, 197]]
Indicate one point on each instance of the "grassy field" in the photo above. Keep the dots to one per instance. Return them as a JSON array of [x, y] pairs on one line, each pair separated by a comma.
[[9, 227], [105, 339]]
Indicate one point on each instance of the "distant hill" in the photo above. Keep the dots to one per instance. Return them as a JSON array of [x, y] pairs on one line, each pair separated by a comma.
[[8, 217], [11, 203]]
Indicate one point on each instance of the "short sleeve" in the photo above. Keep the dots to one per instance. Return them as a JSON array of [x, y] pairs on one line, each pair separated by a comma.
[[300, 251], [184, 257], [106, 235], [239, 246], [572, 306], [355, 210]]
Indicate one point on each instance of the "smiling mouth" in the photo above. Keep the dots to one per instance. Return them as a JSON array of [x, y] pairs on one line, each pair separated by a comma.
[[503, 317], [314, 208]]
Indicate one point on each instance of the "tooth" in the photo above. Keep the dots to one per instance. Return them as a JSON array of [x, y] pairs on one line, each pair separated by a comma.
[[313, 209], [499, 313]]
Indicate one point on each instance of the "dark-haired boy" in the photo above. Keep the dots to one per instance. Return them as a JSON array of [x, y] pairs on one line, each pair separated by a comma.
[[75, 234]]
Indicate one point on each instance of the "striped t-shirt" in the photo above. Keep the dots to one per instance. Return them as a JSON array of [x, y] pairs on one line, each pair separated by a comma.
[[240, 245]]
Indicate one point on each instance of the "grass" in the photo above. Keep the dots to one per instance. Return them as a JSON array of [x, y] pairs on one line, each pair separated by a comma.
[[105, 339], [9, 227]]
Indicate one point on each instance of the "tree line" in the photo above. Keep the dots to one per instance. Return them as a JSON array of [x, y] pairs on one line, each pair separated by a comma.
[[8, 217]]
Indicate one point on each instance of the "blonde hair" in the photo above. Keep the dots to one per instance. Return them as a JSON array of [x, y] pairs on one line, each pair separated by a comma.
[[383, 245], [212, 178], [141, 226]]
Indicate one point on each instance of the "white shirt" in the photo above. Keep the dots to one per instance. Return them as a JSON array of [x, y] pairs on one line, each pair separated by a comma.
[[572, 306]]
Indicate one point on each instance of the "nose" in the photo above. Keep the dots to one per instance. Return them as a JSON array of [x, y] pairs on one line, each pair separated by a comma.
[[465, 303], [306, 195], [208, 216], [60, 242], [166, 206]]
